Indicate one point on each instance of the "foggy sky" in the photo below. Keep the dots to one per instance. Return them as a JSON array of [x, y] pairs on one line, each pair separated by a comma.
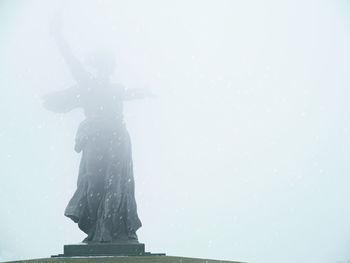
[[243, 155]]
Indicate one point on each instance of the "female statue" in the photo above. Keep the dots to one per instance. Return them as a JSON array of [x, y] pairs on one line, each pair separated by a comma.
[[103, 205]]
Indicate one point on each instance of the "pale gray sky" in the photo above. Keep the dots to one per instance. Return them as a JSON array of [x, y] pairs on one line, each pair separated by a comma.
[[243, 155]]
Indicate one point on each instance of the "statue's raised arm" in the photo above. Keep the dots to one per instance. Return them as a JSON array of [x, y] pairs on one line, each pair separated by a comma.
[[75, 66]]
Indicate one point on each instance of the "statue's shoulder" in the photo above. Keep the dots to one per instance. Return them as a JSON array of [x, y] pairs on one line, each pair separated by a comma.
[[118, 86], [118, 89]]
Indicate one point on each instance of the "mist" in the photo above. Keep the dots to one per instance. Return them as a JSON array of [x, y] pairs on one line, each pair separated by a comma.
[[243, 154]]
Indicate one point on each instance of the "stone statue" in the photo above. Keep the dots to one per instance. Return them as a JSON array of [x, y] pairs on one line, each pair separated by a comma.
[[103, 204]]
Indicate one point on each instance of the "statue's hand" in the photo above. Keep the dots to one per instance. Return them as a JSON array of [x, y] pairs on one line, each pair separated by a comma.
[[56, 24], [149, 93]]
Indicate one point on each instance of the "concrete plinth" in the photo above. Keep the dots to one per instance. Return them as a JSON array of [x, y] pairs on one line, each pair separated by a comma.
[[104, 249]]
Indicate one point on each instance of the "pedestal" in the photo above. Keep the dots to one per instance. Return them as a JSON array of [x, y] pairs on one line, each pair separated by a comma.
[[104, 249]]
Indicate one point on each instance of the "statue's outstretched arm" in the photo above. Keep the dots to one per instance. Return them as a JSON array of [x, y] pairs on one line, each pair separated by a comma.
[[75, 66], [133, 94], [62, 101]]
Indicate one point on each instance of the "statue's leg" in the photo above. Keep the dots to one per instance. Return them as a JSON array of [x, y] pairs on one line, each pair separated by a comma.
[[95, 191]]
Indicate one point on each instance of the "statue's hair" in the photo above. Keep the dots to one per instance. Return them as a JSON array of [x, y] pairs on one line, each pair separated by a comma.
[[101, 58]]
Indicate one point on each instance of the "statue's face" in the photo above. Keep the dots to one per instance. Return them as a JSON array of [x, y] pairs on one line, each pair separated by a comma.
[[101, 63]]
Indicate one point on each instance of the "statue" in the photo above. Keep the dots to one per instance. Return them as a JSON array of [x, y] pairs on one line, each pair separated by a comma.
[[103, 204]]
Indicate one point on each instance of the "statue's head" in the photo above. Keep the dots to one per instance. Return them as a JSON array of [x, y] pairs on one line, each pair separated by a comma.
[[102, 62]]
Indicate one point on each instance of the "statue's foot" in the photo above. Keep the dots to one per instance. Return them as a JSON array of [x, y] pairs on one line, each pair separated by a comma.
[[132, 237], [86, 240]]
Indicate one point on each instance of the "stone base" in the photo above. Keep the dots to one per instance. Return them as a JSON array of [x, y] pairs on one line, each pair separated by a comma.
[[104, 249]]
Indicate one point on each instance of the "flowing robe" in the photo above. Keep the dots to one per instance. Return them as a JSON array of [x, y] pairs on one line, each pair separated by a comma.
[[103, 204]]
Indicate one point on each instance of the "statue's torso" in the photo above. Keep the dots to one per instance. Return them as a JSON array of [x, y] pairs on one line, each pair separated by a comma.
[[103, 102]]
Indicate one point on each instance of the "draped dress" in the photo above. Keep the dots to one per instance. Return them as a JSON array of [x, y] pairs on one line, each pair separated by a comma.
[[104, 204]]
